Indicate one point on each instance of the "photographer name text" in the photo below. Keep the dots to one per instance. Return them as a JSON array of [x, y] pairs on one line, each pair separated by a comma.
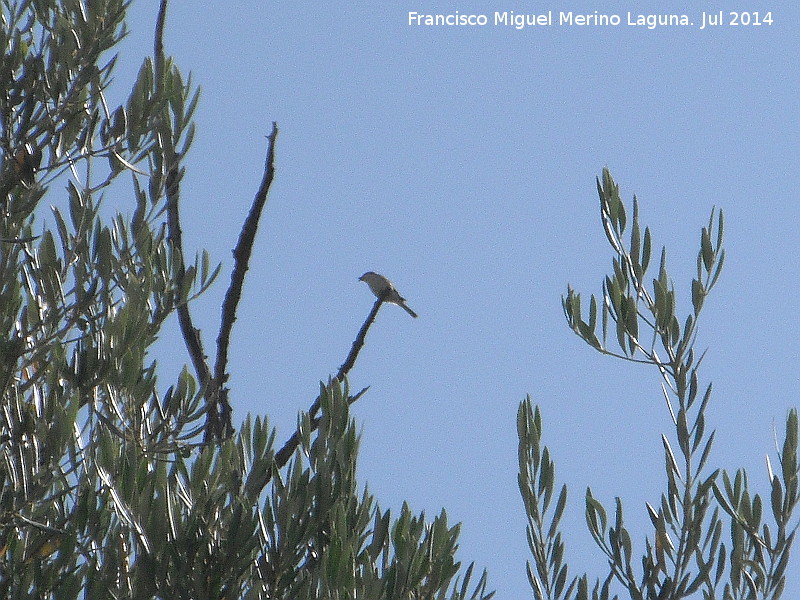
[[705, 20]]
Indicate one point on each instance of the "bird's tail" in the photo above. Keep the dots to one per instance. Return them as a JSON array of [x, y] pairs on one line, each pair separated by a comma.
[[408, 310]]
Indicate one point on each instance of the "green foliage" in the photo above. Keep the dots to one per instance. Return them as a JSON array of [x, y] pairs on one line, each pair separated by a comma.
[[536, 484], [106, 488], [684, 554]]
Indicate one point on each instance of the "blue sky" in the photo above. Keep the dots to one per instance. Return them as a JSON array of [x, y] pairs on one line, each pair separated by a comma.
[[460, 162]]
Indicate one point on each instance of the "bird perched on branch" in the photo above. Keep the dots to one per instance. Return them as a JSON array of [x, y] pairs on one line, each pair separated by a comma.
[[385, 290], [26, 162]]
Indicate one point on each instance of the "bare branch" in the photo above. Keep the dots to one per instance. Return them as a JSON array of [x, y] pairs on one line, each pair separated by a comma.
[[241, 257], [285, 453], [359, 341]]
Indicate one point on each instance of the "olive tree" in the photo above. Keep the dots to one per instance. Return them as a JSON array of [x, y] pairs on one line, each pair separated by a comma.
[[119, 479], [710, 535]]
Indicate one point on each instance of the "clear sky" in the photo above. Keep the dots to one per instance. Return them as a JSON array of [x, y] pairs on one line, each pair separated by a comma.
[[460, 162]]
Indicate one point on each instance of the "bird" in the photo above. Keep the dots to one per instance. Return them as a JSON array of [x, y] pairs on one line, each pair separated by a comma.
[[385, 290], [26, 162]]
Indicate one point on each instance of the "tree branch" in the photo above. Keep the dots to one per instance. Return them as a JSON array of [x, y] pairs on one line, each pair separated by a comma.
[[191, 335], [359, 341], [285, 453], [241, 257]]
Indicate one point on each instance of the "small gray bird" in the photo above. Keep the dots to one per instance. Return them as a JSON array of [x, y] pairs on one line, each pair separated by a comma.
[[379, 284]]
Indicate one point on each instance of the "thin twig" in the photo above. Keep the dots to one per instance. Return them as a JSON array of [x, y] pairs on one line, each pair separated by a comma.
[[359, 341]]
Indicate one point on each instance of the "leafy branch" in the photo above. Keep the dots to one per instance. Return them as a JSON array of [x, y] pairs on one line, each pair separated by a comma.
[[684, 554]]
